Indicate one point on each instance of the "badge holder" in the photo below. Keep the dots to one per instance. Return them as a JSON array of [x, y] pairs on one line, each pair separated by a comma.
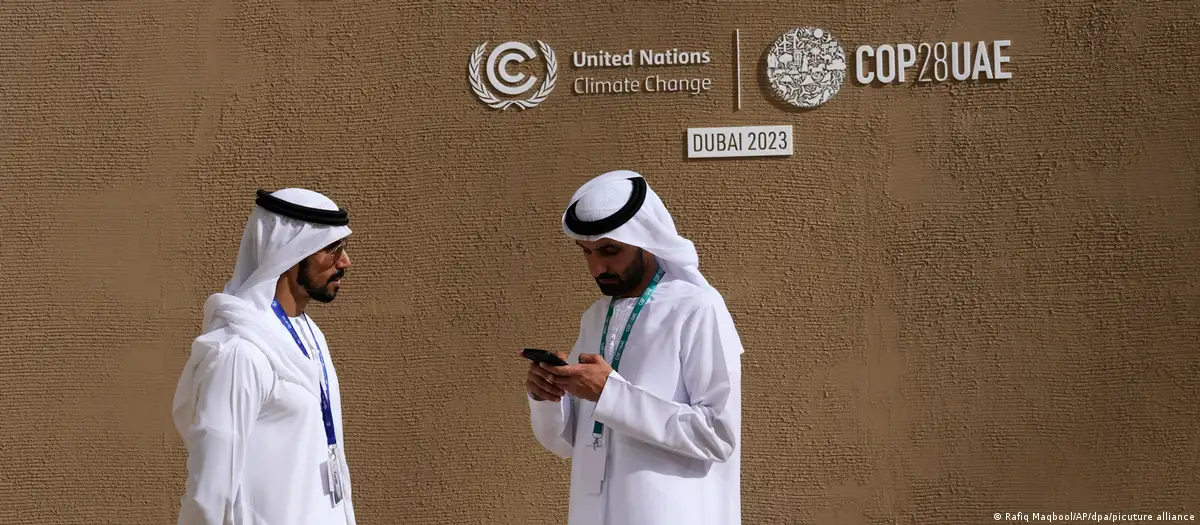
[[333, 475], [592, 461]]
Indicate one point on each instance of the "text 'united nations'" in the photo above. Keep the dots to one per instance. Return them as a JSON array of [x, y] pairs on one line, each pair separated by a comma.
[[654, 83]]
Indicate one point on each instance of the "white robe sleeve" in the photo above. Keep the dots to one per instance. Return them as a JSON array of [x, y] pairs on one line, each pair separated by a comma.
[[228, 400], [703, 429], [554, 421], [554, 424], [349, 501]]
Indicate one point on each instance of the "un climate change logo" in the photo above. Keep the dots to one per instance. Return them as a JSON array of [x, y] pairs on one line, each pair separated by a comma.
[[512, 85]]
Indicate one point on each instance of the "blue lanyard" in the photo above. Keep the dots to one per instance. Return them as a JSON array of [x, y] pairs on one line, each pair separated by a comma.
[[326, 410], [598, 427]]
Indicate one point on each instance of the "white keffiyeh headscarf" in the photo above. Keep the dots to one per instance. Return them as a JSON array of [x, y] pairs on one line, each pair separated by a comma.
[[271, 244], [651, 228]]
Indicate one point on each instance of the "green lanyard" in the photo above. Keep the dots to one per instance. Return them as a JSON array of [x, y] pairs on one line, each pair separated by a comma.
[[598, 427]]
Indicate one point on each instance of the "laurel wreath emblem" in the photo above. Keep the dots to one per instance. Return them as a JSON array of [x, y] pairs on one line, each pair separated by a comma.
[[481, 91]]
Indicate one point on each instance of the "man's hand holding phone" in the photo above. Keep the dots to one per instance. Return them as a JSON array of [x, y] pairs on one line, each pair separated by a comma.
[[539, 381]]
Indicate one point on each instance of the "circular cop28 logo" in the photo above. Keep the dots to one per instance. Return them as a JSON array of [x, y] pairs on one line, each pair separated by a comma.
[[806, 67], [512, 85]]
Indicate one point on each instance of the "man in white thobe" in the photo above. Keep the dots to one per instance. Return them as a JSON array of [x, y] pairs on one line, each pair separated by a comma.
[[258, 403], [649, 406]]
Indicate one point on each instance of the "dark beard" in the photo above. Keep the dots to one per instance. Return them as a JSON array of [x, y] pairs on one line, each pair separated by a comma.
[[318, 293], [633, 276]]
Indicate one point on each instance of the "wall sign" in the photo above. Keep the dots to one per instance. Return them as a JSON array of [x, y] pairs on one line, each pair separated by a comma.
[[500, 78], [741, 141], [806, 67], [936, 62], [647, 79], [521, 75]]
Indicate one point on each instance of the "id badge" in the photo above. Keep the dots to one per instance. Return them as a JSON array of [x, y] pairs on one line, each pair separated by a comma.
[[334, 473], [591, 459]]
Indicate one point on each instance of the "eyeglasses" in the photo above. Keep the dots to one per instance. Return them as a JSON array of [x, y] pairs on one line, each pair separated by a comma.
[[336, 249]]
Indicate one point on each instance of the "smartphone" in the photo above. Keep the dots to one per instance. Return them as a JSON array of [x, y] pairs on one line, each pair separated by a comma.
[[542, 356]]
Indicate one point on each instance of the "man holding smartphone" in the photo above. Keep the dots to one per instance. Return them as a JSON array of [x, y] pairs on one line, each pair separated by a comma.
[[648, 407]]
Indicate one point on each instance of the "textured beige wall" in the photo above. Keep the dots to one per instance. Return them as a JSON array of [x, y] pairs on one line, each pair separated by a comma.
[[956, 300]]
